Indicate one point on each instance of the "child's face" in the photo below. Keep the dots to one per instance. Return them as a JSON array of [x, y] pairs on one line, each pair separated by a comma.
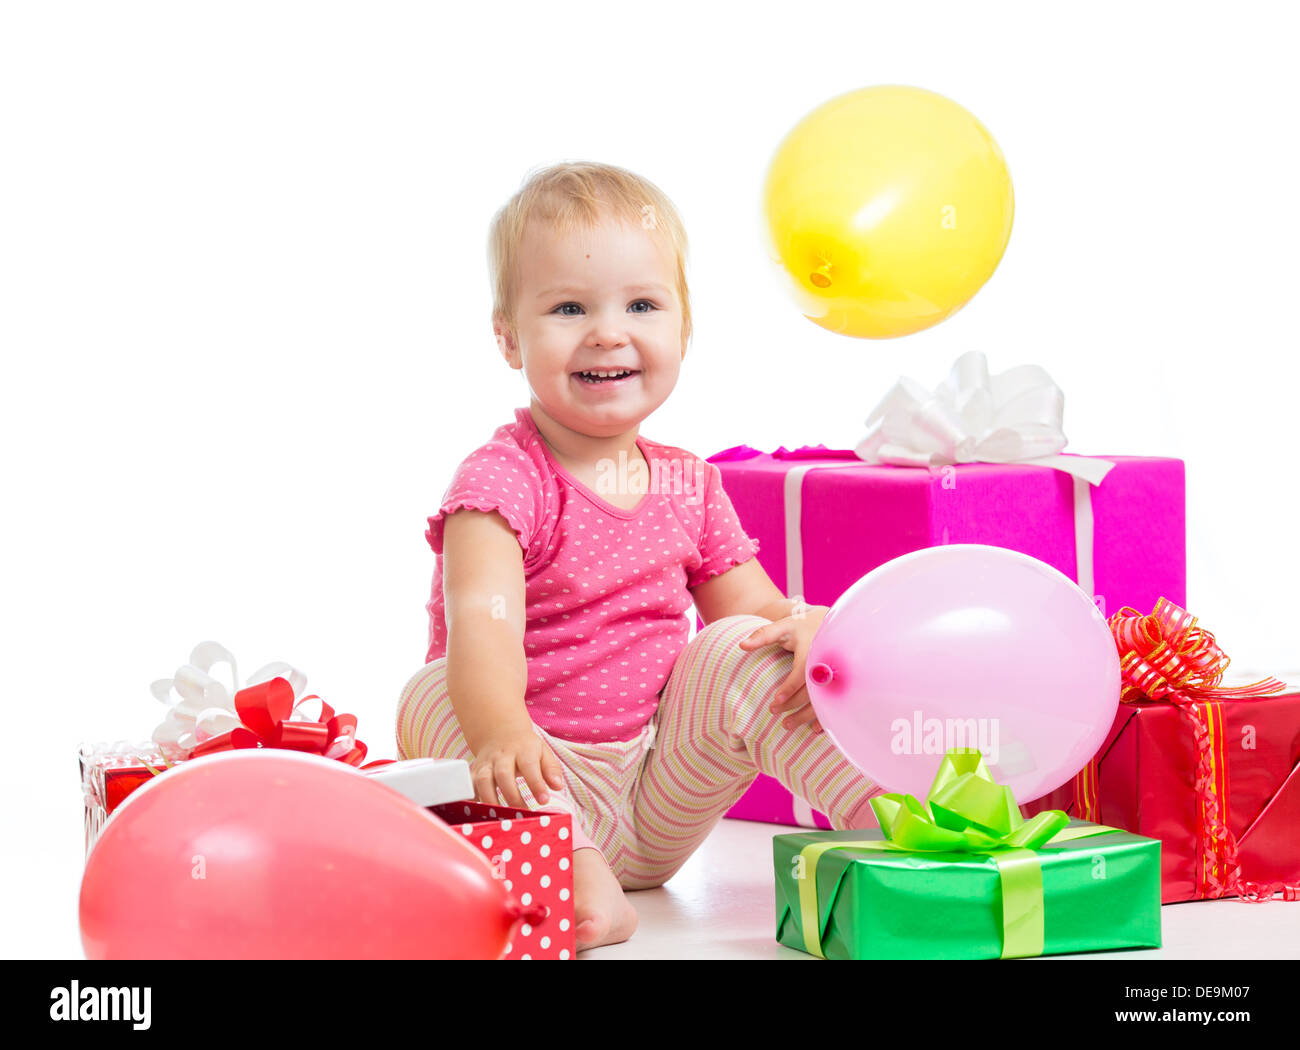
[[596, 300]]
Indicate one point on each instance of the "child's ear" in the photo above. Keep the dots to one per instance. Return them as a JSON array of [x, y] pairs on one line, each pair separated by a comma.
[[506, 344]]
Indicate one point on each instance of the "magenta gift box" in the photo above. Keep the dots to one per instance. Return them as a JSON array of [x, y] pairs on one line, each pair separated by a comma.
[[853, 516]]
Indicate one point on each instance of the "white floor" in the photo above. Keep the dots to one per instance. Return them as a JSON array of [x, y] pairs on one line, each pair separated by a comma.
[[721, 905]]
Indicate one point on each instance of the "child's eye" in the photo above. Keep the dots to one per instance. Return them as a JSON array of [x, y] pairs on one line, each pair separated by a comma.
[[564, 308]]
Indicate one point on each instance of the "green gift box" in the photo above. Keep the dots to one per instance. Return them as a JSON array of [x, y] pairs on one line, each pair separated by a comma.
[[964, 876]]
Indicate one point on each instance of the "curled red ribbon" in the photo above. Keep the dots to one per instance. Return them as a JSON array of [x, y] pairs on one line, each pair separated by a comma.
[[266, 712], [1166, 657]]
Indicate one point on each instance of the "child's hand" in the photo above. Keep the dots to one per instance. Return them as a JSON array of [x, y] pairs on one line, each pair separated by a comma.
[[517, 752], [795, 633]]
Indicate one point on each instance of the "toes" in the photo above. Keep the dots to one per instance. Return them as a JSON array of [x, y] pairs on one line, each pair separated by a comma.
[[590, 933]]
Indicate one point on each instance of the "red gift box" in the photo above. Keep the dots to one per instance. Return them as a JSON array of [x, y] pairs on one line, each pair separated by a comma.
[[109, 774], [270, 716], [1213, 771], [532, 850], [1144, 781]]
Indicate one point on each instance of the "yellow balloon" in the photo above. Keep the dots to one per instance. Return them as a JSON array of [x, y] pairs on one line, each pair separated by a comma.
[[888, 207]]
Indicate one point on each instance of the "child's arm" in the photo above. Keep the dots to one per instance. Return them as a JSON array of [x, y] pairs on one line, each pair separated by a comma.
[[745, 589], [487, 672]]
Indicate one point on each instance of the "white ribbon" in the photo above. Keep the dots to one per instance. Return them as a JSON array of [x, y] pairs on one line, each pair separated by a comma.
[[206, 706], [971, 417], [803, 813]]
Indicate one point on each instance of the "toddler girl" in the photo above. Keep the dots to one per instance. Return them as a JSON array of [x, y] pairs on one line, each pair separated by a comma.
[[571, 549]]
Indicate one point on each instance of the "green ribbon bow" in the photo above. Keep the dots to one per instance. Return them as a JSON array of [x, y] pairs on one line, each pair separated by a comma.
[[966, 811]]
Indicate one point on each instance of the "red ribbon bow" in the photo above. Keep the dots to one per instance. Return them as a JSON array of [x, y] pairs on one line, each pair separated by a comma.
[[1166, 657], [265, 711]]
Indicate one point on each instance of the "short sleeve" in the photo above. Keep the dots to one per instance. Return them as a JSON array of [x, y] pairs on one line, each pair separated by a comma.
[[499, 477], [723, 541]]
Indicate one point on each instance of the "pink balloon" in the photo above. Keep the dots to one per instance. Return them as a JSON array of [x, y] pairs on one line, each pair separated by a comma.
[[965, 645], [271, 854]]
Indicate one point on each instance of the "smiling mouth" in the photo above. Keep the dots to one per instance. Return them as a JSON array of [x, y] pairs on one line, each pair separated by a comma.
[[606, 375]]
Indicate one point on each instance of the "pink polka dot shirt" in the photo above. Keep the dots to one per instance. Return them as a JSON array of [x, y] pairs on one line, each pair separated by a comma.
[[607, 589]]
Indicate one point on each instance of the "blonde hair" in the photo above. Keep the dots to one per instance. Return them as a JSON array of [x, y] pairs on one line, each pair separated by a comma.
[[568, 197]]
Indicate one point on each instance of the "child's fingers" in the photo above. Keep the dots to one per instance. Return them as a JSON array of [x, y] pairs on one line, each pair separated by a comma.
[[552, 769], [531, 771], [801, 717], [766, 635], [504, 770], [485, 785], [791, 694]]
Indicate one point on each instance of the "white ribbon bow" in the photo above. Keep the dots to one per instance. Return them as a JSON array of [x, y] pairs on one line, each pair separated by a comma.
[[206, 707], [1013, 417]]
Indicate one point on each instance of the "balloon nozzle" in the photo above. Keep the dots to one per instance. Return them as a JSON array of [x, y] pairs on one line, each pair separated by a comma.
[[820, 674], [821, 276]]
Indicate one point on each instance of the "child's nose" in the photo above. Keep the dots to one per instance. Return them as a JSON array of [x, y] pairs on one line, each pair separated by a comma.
[[606, 332]]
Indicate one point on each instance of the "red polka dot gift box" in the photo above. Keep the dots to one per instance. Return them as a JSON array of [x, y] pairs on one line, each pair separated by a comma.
[[532, 850]]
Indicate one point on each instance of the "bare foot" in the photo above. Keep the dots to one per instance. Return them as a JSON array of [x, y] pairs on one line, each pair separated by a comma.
[[602, 915]]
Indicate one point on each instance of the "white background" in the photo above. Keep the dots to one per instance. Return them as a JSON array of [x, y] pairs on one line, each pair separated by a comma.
[[244, 307]]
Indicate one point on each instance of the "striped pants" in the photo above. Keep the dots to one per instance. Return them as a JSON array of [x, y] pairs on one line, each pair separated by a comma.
[[648, 803]]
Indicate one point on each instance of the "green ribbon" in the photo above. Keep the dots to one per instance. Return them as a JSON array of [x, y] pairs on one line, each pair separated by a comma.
[[966, 811]]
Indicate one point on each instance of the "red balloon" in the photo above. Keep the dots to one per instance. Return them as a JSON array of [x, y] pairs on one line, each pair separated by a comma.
[[278, 855]]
